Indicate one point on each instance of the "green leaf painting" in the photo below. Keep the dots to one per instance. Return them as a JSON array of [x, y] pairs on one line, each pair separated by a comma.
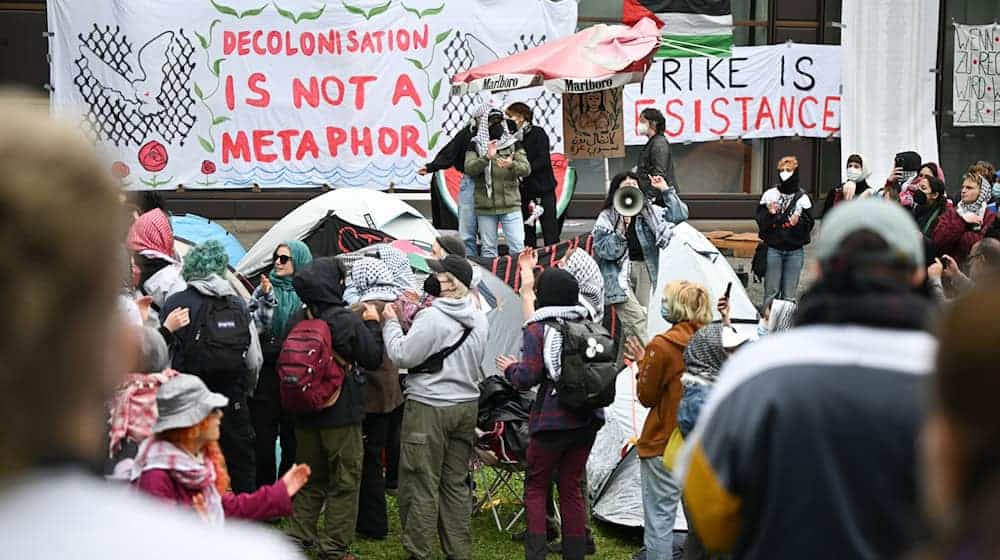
[[219, 120], [253, 12], [216, 65], [206, 145], [415, 62], [198, 92], [440, 38], [436, 89], [434, 140], [421, 115], [377, 10], [225, 10], [422, 13], [289, 15]]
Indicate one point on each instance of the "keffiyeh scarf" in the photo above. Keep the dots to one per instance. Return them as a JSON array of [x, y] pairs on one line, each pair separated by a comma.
[[704, 355], [553, 341], [979, 206], [588, 275], [152, 236], [196, 475]]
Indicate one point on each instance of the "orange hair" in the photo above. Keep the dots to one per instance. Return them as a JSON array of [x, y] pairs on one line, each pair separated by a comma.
[[185, 438], [788, 159]]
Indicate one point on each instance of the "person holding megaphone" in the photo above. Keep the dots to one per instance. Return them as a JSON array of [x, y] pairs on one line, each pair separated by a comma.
[[633, 227]]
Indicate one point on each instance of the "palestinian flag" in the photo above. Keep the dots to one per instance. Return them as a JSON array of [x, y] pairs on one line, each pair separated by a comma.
[[691, 28]]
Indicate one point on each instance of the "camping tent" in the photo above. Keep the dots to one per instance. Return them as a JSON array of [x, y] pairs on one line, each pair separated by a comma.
[[613, 465], [361, 207], [194, 229], [691, 256], [182, 246]]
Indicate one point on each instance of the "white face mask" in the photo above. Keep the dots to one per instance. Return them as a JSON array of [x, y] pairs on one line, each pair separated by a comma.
[[853, 174], [785, 175], [643, 128]]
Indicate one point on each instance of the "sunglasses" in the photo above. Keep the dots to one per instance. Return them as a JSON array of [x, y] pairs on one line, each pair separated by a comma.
[[282, 259]]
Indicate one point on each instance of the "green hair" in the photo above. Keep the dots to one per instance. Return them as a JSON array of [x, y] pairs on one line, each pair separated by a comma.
[[204, 260]]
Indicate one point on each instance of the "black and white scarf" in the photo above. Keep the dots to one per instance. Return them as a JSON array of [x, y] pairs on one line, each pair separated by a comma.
[[553, 340]]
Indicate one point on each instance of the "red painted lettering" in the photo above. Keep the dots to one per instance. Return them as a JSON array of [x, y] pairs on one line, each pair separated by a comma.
[[829, 114], [308, 145], [228, 42], [404, 87], [764, 112], [243, 43], [339, 97], [274, 42], [230, 93], [802, 116], [335, 137], [744, 101], [359, 93], [308, 44], [265, 97], [670, 113], [722, 115], [326, 44], [352, 41], [261, 140], [362, 141], [286, 142], [310, 94], [786, 112], [238, 148], [697, 116], [420, 39], [388, 141], [411, 141], [258, 45]]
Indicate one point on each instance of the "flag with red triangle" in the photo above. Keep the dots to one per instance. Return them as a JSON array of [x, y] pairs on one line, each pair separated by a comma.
[[691, 28]]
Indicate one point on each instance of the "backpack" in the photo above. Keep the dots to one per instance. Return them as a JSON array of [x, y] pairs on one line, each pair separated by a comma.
[[220, 343], [589, 366], [310, 373]]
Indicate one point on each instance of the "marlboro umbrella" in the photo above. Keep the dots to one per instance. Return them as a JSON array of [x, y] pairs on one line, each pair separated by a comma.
[[597, 58]]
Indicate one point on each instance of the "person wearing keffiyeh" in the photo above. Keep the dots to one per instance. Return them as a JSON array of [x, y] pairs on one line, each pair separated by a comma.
[[965, 225], [158, 273], [561, 438]]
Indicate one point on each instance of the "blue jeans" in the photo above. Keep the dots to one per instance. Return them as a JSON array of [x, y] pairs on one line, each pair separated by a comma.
[[783, 271], [660, 496], [467, 215], [513, 230]]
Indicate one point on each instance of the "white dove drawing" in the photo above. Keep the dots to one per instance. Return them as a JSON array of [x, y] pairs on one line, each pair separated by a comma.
[[142, 91]]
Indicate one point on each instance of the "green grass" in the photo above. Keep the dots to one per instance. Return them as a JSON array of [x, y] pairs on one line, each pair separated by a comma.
[[613, 542]]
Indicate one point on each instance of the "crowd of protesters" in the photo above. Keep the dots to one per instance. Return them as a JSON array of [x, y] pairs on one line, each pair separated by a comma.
[[811, 437]]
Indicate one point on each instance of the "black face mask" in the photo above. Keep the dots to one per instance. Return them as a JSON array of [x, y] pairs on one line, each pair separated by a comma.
[[919, 197], [496, 131], [432, 286]]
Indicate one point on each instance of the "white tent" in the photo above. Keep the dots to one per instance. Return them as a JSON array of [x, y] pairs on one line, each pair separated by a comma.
[[362, 207], [691, 256], [613, 466]]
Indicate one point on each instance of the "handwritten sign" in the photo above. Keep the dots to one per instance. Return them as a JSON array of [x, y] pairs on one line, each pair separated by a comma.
[[594, 124], [759, 92], [232, 93], [976, 94]]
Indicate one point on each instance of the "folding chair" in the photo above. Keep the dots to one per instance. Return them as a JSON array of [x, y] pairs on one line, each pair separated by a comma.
[[500, 475]]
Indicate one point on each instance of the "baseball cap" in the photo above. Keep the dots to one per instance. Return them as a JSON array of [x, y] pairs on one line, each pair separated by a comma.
[[457, 266], [885, 219], [451, 245]]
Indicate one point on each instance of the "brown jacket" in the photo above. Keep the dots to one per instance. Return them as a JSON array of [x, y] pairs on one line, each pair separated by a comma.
[[383, 393], [659, 386]]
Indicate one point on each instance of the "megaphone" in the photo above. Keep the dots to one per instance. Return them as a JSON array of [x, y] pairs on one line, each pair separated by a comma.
[[629, 201]]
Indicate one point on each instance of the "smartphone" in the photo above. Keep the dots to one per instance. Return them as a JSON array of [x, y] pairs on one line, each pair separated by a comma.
[[729, 289]]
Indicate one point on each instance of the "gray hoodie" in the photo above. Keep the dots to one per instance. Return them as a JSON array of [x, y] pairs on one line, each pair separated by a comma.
[[434, 329], [217, 286]]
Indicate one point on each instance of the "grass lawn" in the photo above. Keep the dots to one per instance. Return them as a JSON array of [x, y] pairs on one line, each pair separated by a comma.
[[613, 542]]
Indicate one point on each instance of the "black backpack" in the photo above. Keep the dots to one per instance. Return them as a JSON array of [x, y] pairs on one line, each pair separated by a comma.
[[589, 366], [219, 344]]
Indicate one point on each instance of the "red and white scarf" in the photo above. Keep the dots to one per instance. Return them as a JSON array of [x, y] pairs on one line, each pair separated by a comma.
[[194, 474]]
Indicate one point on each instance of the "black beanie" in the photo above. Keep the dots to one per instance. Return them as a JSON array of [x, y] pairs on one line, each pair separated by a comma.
[[556, 288]]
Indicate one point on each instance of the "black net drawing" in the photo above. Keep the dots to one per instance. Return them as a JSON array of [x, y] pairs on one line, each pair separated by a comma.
[[133, 93], [461, 55]]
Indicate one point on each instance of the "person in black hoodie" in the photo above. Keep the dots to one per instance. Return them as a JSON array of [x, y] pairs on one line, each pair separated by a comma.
[[854, 187], [330, 441], [540, 186], [453, 155], [785, 222]]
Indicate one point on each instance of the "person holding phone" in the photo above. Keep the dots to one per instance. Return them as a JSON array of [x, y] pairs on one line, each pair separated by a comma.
[[785, 222]]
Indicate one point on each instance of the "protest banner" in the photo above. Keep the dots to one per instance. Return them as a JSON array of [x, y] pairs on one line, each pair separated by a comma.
[[976, 89], [594, 124], [213, 94], [759, 92]]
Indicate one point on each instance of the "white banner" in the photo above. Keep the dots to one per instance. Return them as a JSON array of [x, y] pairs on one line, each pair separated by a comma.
[[760, 92], [231, 93], [976, 92]]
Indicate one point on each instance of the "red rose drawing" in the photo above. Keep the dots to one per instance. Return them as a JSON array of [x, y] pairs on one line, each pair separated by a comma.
[[207, 167], [120, 170], [153, 157]]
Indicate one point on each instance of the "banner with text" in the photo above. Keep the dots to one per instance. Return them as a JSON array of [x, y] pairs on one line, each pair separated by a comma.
[[976, 95], [760, 92], [292, 93]]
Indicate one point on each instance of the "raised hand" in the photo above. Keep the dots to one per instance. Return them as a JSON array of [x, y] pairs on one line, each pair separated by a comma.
[[634, 349], [177, 320], [296, 478]]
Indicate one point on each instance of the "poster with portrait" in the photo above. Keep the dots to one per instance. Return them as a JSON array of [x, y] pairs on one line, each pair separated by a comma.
[[594, 124]]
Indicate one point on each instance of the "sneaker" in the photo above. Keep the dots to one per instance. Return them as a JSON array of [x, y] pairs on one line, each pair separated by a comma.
[[536, 212]]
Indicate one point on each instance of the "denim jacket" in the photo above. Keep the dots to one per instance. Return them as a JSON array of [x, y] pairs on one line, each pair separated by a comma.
[[654, 226]]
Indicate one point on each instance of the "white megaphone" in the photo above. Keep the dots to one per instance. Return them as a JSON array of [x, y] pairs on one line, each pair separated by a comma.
[[629, 201]]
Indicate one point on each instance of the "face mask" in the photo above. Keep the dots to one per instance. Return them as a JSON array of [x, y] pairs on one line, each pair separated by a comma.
[[432, 286], [762, 329], [665, 312], [511, 125], [919, 197], [496, 131], [996, 190], [785, 175], [853, 174], [643, 128]]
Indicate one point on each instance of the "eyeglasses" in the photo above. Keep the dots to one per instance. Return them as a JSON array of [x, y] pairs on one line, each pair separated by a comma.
[[282, 259]]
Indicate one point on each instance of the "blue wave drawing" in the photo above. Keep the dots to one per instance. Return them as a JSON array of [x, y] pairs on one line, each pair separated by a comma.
[[405, 174]]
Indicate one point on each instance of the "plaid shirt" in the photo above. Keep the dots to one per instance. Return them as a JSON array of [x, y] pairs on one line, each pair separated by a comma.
[[546, 413]]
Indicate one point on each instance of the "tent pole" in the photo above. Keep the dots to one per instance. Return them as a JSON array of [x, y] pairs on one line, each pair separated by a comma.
[[607, 176]]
